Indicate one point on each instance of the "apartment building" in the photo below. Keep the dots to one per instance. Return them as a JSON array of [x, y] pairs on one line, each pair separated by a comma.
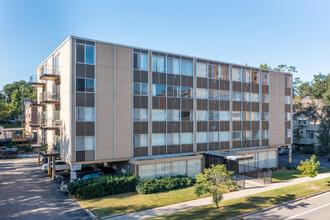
[[154, 113]]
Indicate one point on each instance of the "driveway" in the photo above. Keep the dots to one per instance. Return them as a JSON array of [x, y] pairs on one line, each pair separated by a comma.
[[296, 158], [27, 193]]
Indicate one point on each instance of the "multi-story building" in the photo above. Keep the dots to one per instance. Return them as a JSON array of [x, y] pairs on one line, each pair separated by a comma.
[[31, 117], [156, 113]]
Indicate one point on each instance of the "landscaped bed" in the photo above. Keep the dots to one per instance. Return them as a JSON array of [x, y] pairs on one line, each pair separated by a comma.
[[282, 175]]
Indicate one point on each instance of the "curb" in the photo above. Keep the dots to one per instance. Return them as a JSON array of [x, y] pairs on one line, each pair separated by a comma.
[[91, 214], [274, 206], [113, 216]]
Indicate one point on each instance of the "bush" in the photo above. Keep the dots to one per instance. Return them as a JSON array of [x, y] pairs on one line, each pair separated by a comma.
[[279, 167], [307, 149], [264, 169], [148, 186], [288, 167], [102, 186]]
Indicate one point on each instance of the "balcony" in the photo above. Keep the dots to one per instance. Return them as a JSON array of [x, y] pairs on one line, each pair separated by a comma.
[[51, 124], [34, 82], [50, 73], [49, 98]]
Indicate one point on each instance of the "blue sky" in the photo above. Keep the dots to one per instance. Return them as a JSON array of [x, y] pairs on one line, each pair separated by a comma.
[[245, 32]]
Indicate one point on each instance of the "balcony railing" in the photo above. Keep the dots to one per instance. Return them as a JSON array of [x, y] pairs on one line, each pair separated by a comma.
[[51, 123], [47, 97], [50, 72], [35, 82]]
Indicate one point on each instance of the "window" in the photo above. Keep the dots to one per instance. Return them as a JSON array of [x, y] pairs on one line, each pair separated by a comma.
[[265, 116], [140, 114], [158, 90], [224, 116], [140, 88], [213, 136], [89, 54], [287, 99], [186, 68], [214, 115], [186, 92], [89, 85], [265, 134], [187, 138], [302, 122], [173, 139], [236, 74], [140, 140], [158, 115], [173, 115], [224, 73], [310, 134], [141, 61], [158, 64], [287, 82], [254, 116], [187, 115], [246, 96], [265, 98], [254, 97], [255, 76], [158, 139], [84, 85], [201, 137], [85, 114], [80, 85], [201, 93], [264, 78], [236, 116], [85, 143], [214, 94], [173, 66], [173, 91], [236, 96], [201, 70], [213, 71], [287, 116], [224, 135], [224, 95], [202, 115], [85, 53], [246, 76], [255, 135], [246, 135], [246, 116], [287, 133], [237, 135]]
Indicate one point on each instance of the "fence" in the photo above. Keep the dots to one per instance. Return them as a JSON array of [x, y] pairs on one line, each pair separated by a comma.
[[264, 176]]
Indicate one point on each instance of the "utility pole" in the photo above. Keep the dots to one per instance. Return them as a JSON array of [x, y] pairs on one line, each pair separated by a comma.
[[22, 107]]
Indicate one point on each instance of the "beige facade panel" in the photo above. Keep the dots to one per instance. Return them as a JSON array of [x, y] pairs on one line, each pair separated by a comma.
[[272, 108]]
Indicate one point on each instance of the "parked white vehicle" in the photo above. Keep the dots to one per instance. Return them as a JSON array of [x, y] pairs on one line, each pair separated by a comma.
[[59, 165]]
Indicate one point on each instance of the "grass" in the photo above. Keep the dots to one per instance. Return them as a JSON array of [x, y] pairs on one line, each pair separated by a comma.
[[10, 125], [282, 175], [239, 206], [136, 202]]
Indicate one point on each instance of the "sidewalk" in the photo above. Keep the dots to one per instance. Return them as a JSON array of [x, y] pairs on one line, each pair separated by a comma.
[[251, 188]]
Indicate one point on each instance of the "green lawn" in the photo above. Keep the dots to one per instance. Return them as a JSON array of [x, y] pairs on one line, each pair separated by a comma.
[[239, 206], [136, 202], [10, 125], [282, 175]]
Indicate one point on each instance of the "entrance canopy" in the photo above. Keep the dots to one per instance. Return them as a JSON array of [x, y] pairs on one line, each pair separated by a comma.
[[228, 155]]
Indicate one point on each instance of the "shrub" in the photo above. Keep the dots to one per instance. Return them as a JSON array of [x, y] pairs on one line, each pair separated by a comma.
[[307, 149], [279, 167], [264, 169], [102, 186], [288, 167], [148, 186]]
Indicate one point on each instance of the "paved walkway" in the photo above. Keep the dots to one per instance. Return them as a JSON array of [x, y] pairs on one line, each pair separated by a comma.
[[251, 188]]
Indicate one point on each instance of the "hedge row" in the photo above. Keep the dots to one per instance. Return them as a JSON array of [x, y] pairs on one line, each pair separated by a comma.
[[148, 186], [102, 186]]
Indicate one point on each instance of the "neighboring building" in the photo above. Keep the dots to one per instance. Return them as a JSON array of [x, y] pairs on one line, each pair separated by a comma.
[[308, 129], [32, 119], [155, 113]]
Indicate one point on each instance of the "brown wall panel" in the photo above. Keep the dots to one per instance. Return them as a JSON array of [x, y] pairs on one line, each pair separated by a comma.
[[173, 79], [265, 89], [214, 146], [246, 125], [187, 126], [80, 99], [255, 88], [246, 106], [265, 107], [224, 145], [187, 148], [201, 82], [255, 106], [255, 125], [236, 144], [173, 127], [90, 129], [80, 156], [237, 86], [202, 147], [173, 103], [224, 126], [214, 105], [265, 142], [140, 151], [187, 103], [158, 127], [173, 149], [287, 108], [236, 125], [214, 84], [255, 143], [187, 81], [158, 102], [201, 126], [158, 78], [287, 124], [246, 143], [246, 87], [214, 125], [90, 99], [288, 140], [224, 105], [158, 150], [140, 127], [287, 91], [237, 106], [265, 125], [224, 85], [202, 104]]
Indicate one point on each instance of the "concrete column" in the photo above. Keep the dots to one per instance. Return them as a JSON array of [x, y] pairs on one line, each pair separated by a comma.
[[38, 156], [53, 167], [49, 164]]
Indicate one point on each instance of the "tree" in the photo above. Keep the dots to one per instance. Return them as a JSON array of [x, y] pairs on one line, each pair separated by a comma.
[[309, 168], [281, 68], [296, 136], [216, 181], [4, 111]]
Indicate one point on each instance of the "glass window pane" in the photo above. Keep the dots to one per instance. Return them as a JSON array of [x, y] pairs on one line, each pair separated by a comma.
[[236, 116], [137, 88], [265, 98], [186, 92], [254, 97], [246, 116], [173, 66], [141, 61], [264, 78], [173, 139], [201, 93], [80, 53], [224, 73], [255, 135], [224, 115], [254, 116], [246, 97], [254, 76], [89, 54], [144, 88], [202, 115], [187, 115], [173, 91], [89, 85], [158, 90], [147, 171], [140, 140], [236, 74], [186, 68], [214, 94], [201, 70], [246, 135], [265, 116], [89, 143], [158, 64], [80, 143], [201, 137], [173, 115], [89, 114], [158, 139], [265, 134], [237, 135], [214, 115], [158, 115], [80, 85], [246, 76], [287, 100], [80, 115], [236, 96], [224, 95], [214, 136], [224, 135], [213, 71], [187, 138]]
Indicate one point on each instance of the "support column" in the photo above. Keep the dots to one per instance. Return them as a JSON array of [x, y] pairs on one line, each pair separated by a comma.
[[53, 167], [38, 156], [290, 153], [49, 164]]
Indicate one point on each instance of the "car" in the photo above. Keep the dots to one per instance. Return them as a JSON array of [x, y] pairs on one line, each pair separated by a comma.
[[64, 186], [62, 176], [284, 151], [59, 165], [65, 183]]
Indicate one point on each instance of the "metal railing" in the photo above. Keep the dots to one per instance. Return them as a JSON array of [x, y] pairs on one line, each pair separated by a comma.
[[50, 70], [48, 96], [51, 122]]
